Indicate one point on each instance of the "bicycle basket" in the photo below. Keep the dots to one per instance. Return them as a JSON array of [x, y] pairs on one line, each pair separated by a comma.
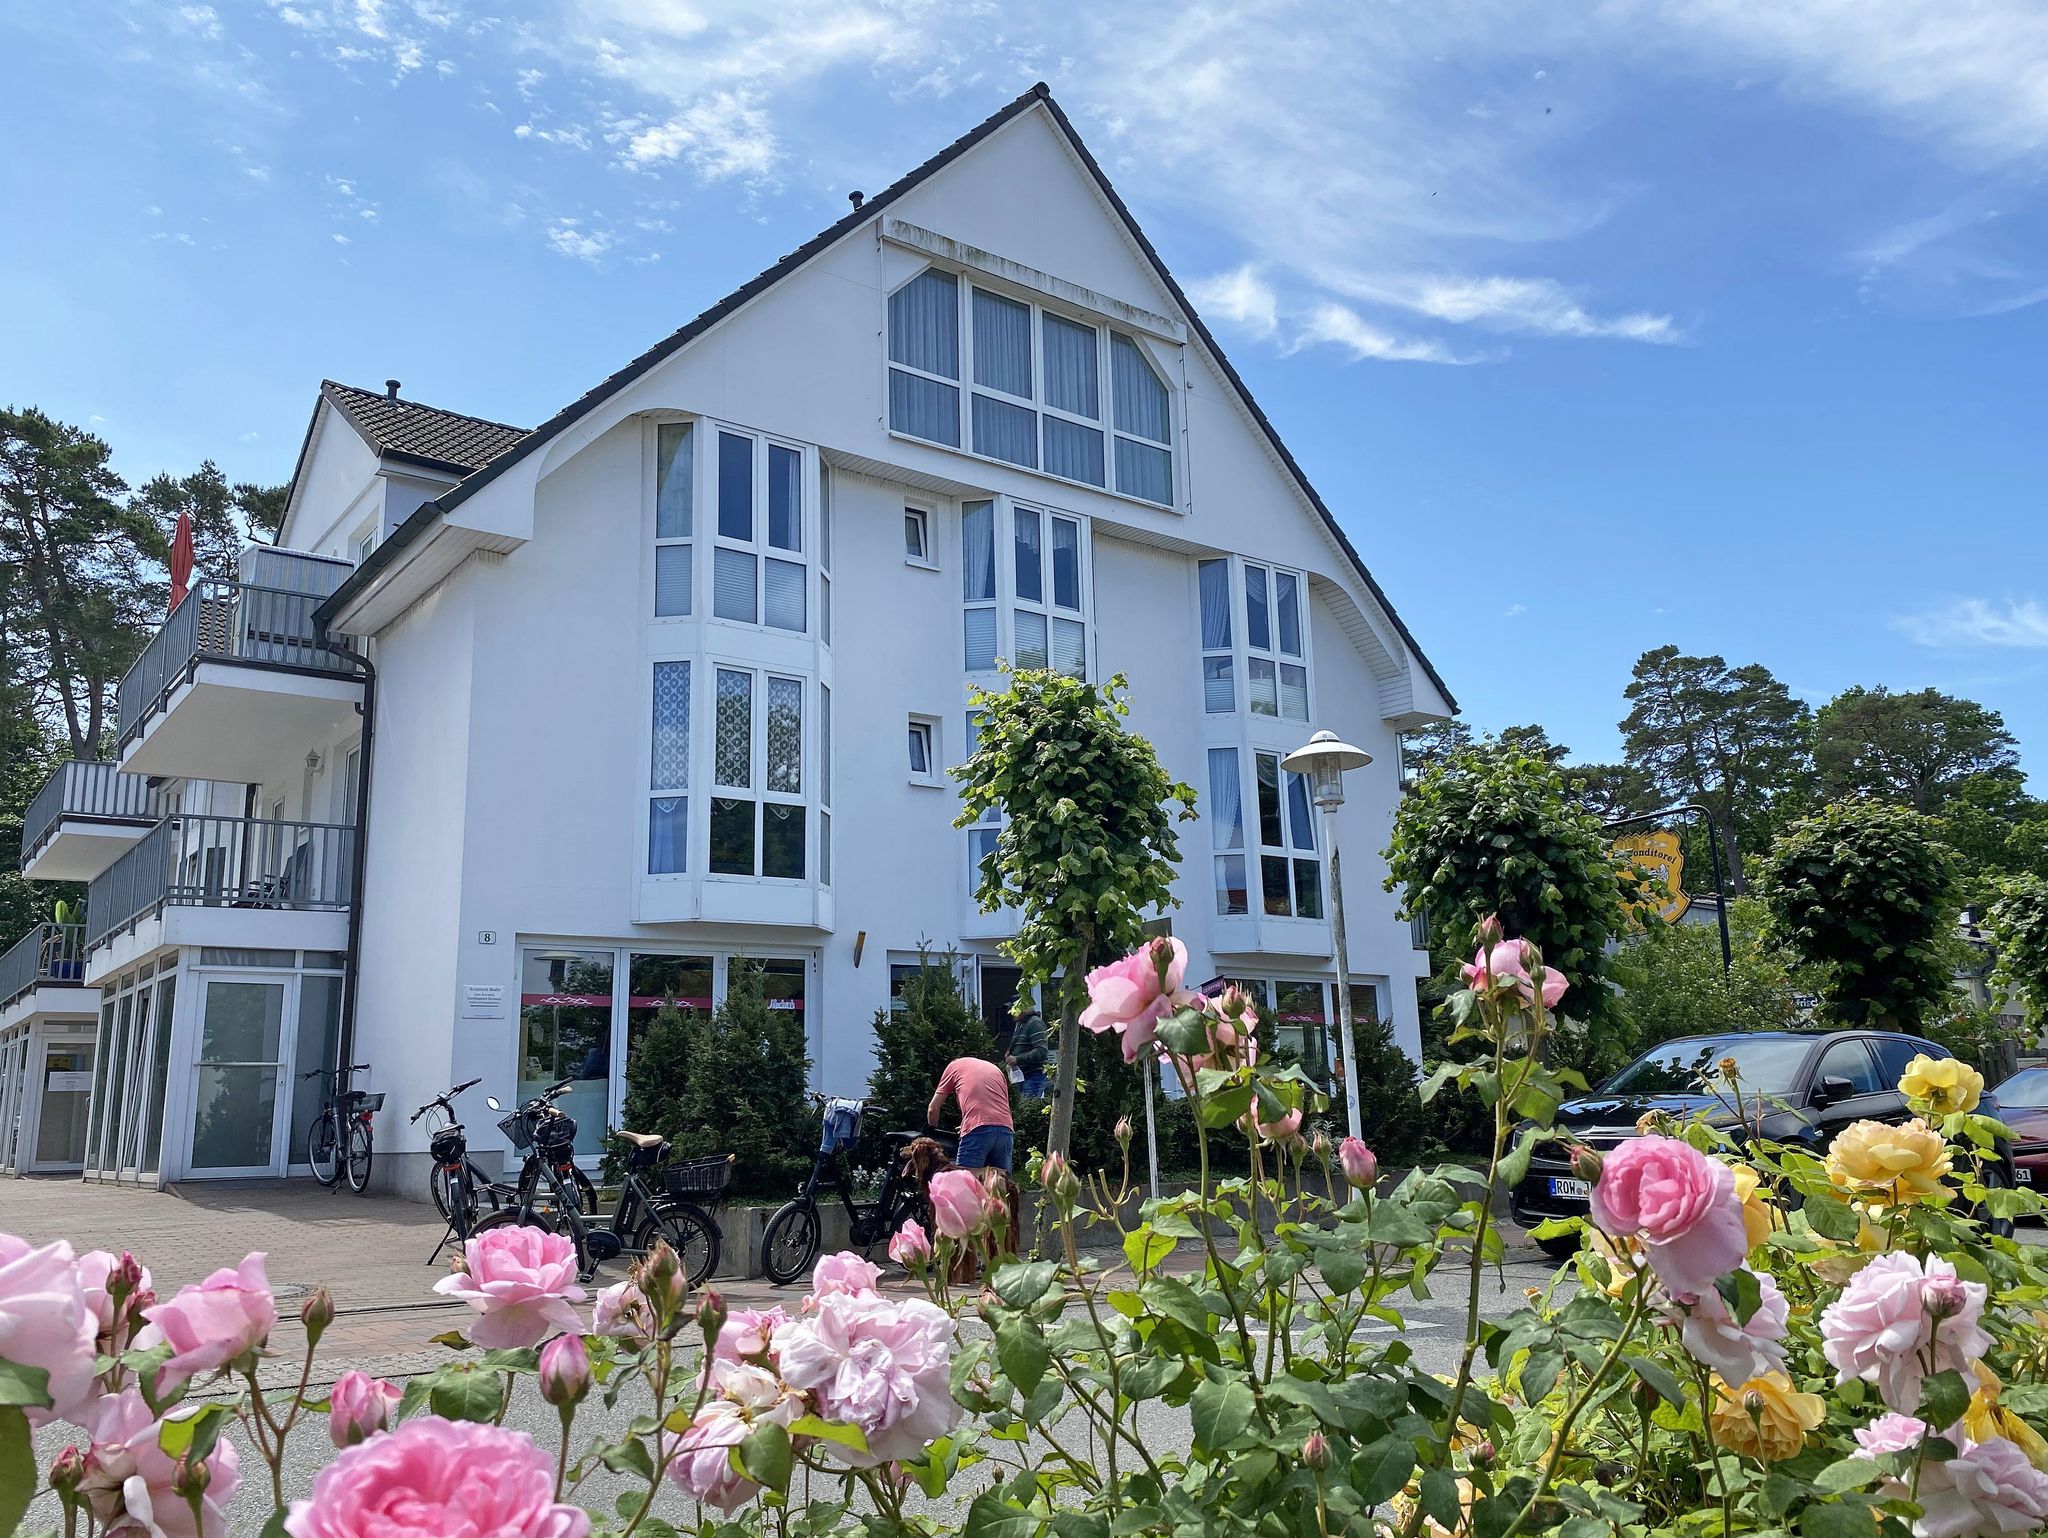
[[555, 1133], [695, 1180], [518, 1131], [446, 1145], [361, 1101]]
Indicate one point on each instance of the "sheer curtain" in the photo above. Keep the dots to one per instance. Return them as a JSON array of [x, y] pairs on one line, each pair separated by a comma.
[[1002, 344], [1215, 587], [978, 551], [1073, 379], [924, 323], [1226, 800], [1139, 395]]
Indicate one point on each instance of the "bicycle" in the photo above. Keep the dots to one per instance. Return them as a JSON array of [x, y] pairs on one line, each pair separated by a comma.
[[456, 1180], [790, 1242], [340, 1138], [547, 1138], [643, 1215]]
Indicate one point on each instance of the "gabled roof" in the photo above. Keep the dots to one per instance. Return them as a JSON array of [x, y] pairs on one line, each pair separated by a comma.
[[409, 430], [417, 524]]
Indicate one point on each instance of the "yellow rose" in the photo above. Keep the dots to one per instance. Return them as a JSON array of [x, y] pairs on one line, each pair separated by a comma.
[[1759, 1217], [1767, 1418], [1987, 1418], [1941, 1086], [1890, 1165]]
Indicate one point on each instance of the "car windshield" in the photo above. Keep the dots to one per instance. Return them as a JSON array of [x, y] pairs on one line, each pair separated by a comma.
[[1766, 1063], [2028, 1087]]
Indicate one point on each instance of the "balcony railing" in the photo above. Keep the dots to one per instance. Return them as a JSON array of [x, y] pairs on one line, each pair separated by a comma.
[[97, 792], [224, 862], [48, 953], [222, 621]]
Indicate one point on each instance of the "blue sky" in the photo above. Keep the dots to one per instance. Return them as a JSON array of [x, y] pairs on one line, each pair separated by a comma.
[[1712, 323]]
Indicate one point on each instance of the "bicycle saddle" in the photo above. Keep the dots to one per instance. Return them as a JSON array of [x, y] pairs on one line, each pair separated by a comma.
[[642, 1139]]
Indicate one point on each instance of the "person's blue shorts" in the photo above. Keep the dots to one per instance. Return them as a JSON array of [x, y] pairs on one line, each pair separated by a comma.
[[985, 1148], [1033, 1088]]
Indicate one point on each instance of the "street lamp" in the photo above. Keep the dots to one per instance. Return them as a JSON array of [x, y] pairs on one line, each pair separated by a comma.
[[1324, 762]]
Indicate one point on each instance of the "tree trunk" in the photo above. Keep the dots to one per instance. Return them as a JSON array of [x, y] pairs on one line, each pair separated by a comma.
[[1061, 1131], [1730, 880]]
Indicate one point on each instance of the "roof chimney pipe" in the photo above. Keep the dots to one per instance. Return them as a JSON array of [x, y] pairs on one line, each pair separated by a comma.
[[391, 389], [856, 198]]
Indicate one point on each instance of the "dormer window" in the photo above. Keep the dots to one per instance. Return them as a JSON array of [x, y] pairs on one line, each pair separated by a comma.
[[1038, 382]]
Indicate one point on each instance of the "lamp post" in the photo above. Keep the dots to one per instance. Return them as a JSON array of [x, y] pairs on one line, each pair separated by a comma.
[[1324, 760]]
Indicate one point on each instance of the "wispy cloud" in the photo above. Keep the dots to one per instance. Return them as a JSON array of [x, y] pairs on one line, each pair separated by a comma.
[[1979, 622], [1539, 305], [1241, 299], [567, 237], [1339, 326]]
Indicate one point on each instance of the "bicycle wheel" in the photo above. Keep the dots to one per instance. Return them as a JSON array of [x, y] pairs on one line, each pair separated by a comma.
[[790, 1242], [689, 1232], [359, 1155], [451, 1197], [323, 1147]]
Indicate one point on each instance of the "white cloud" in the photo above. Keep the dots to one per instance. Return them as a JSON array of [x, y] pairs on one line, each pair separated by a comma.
[[726, 136], [1515, 608], [256, 173], [1539, 305], [1242, 299], [1979, 622], [1340, 326], [341, 240], [567, 238], [202, 19]]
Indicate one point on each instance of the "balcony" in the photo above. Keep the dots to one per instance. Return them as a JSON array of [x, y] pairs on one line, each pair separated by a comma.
[[238, 882], [49, 955], [237, 669], [83, 818]]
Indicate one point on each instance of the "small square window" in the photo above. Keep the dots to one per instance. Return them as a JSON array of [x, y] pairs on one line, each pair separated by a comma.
[[917, 545], [924, 750]]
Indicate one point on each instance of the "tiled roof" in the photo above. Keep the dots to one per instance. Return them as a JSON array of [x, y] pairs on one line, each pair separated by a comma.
[[393, 425]]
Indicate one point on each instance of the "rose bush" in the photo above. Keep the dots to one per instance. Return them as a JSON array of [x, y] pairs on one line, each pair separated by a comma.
[[1753, 1339]]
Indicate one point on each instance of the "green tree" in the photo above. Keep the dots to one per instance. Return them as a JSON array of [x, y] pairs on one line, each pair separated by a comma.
[[2018, 922], [81, 590], [933, 1023], [1611, 791], [1087, 848], [224, 518], [1915, 748], [1670, 982], [1431, 746], [1732, 739], [25, 762], [1863, 891], [1497, 832], [657, 1075]]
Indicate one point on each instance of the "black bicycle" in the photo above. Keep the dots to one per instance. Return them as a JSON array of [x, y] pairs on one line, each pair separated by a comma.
[[681, 1212], [340, 1140], [458, 1183], [551, 1192], [789, 1245]]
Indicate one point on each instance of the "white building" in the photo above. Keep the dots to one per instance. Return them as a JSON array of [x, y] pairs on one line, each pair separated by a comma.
[[674, 677]]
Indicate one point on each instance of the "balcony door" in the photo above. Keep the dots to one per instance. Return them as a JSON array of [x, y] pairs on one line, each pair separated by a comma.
[[240, 1100]]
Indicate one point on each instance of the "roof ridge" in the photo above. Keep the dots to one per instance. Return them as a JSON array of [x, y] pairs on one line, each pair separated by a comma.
[[446, 411]]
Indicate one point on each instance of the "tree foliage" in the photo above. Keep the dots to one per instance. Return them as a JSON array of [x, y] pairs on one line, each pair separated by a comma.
[[1087, 849], [1864, 890], [1497, 832], [1915, 748], [2018, 922], [1732, 739], [225, 518], [933, 1023], [1671, 982]]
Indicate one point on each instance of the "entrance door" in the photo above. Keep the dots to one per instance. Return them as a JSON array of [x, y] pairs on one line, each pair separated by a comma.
[[13, 1096], [238, 1097], [67, 1095], [998, 994]]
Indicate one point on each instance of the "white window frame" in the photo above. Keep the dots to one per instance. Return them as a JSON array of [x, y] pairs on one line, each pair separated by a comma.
[[928, 728], [989, 826], [758, 546], [1008, 604], [966, 386], [757, 791], [363, 541], [657, 541], [694, 850], [1287, 849], [920, 514], [1241, 651]]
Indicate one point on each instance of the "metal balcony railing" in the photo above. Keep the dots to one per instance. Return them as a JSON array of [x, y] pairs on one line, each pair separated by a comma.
[[48, 953], [93, 791], [224, 862], [222, 621]]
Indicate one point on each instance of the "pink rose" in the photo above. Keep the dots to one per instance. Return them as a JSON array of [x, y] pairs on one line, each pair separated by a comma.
[[959, 1203], [1882, 1330], [128, 1476], [226, 1316], [1361, 1167], [359, 1406], [1133, 995], [453, 1479], [1680, 1204], [521, 1282], [1738, 1352], [1283, 1129], [749, 1333], [844, 1272], [45, 1322], [878, 1363], [564, 1370], [909, 1246], [1890, 1433], [1988, 1490], [623, 1312], [1507, 964], [738, 1398]]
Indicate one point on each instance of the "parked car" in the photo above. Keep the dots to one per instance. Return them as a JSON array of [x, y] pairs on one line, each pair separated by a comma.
[[1813, 1084], [2023, 1106]]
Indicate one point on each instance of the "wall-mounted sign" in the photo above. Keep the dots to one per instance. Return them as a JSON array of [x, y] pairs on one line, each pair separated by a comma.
[[68, 1081], [1659, 861], [483, 1001]]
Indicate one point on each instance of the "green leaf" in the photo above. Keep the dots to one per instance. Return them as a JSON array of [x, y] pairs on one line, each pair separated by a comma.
[[462, 1391], [1847, 1474], [851, 1437], [1176, 1300], [1022, 1284], [192, 1434], [416, 1390], [1659, 1377], [764, 1456], [1020, 1347], [1220, 1410], [1342, 1269], [1515, 1164], [1396, 1223], [1943, 1398], [1227, 1108], [1145, 1248], [628, 1457], [1742, 1292], [1539, 1372], [273, 1525], [1079, 1524], [991, 1516], [1440, 1499], [1837, 1519], [28, 1387], [17, 1466], [1379, 1470]]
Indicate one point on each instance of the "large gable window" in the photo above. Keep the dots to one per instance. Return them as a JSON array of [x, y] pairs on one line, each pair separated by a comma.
[[1045, 390]]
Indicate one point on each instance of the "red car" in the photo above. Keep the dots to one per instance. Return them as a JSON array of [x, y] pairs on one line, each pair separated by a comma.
[[2023, 1106]]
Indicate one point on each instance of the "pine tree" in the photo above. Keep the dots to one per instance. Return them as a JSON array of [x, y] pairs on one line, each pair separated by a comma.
[[657, 1072], [746, 1078], [934, 1024]]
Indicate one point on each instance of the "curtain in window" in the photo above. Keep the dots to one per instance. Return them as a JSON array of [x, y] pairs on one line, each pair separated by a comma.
[[735, 487], [1030, 558], [1300, 820], [824, 849], [924, 323], [785, 498], [978, 551], [1287, 611], [1258, 625], [1070, 647], [981, 640], [1072, 375], [1293, 691], [782, 596], [1002, 344], [732, 756], [1219, 687], [1231, 896], [732, 585], [924, 408], [825, 744], [1066, 563], [673, 496], [671, 579], [1139, 394], [1073, 451], [1144, 472], [1030, 639], [1226, 800], [1265, 690], [668, 835], [1006, 432], [920, 748], [670, 769], [1214, 579], [786, 736]]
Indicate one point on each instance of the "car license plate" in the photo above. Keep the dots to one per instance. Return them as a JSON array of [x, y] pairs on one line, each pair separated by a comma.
[[1578, 1190], [2025, 1176]]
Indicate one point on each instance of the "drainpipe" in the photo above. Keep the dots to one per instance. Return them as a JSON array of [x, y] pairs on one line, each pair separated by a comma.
[[352, 956]]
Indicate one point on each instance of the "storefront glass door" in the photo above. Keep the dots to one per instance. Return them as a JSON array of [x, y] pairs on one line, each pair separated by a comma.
[[67, 1095], [13, 1079], [238, 1080], [565, 1032]]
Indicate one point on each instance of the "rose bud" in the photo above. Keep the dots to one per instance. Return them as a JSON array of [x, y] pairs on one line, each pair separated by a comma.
[[188, 1478], [910, 1246], [663, 1284], [1123, 1133], [711, 1314], [1361, 1167], [564, 1371], [1058, 1178], [1489, 933], [317, 1314], [1586, 1163], [1315, 1451], [67, 1471]]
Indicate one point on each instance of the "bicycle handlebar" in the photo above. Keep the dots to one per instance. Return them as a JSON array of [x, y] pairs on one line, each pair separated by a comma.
[[442, 1100]]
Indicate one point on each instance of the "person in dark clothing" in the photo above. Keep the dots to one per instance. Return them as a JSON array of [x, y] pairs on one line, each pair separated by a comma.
[[1028, 1055]]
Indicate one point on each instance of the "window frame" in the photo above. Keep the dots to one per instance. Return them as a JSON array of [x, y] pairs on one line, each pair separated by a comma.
[[1294, 854], [758, 547], [967, 385], [1007, 603], [1240, 651], [928, 727], [657, 541], [925, 558], [812, 766]]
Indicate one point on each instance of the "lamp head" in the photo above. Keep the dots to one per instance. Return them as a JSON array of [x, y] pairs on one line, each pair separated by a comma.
[[1325, 759]]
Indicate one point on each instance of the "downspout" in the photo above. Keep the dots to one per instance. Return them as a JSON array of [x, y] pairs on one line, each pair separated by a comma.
[[352, 955]]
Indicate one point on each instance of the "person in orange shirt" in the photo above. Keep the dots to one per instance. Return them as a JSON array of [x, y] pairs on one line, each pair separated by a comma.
[[986, 1131]]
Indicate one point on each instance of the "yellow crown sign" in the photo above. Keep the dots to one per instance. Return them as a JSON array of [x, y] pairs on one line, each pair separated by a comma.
[[1659, 861]]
